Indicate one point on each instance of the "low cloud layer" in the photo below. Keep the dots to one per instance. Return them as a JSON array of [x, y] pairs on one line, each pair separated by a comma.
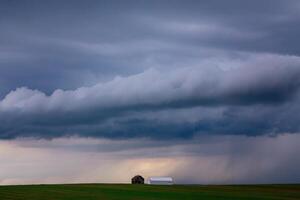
[[265, 83]]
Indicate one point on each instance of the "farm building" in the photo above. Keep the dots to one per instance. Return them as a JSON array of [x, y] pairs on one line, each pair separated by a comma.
[[137, 180], [160, 181]]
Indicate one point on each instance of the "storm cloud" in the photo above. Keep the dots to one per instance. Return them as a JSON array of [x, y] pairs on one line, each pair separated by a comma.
[[235, 85], [141, 69], [52, 44], [149, 87]]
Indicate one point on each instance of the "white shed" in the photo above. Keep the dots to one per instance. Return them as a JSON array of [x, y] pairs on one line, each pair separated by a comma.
[[160, 181]]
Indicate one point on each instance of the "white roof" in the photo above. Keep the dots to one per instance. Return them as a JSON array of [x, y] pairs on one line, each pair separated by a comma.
[[161, 178]]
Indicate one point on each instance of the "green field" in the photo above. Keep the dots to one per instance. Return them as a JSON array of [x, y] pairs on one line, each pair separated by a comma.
[[147, 192]]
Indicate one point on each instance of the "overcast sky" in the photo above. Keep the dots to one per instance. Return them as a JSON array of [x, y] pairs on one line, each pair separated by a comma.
[[214, 83]]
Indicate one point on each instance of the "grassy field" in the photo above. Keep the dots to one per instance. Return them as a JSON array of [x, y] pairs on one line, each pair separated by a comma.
[[147, 192]]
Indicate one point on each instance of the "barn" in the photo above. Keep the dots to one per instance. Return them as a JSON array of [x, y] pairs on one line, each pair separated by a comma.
[[138, 179], [160, 181]]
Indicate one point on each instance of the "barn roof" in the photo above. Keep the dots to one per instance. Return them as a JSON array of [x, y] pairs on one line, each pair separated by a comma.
[[137, 176], [161, 178]]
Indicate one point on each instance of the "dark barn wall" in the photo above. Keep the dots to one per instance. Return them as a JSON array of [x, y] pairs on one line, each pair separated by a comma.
[[137, 180]]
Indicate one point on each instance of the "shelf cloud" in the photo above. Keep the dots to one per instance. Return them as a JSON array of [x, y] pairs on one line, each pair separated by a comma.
[[256, 80], [138, 81]]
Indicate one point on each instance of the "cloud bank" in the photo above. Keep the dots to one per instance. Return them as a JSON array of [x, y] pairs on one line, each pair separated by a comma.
[[235, 86], [148, 69]]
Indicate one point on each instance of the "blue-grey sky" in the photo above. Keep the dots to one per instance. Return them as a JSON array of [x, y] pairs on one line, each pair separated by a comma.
[[168, 71]]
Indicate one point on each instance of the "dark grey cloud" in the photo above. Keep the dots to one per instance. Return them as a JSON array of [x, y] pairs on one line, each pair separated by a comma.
[[105, 109], [59, 62], [48, 45]]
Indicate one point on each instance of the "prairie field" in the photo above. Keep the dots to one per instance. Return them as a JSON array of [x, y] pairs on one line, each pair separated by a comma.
[[148, 192]]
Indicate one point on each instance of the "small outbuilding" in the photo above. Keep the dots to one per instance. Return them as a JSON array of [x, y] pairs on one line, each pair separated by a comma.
[[160, 181], [138, 179]]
